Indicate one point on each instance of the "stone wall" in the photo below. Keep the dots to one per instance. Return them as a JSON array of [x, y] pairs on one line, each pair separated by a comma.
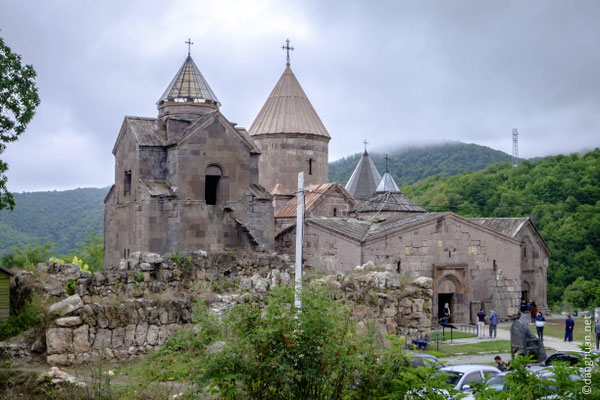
[[121, 313]]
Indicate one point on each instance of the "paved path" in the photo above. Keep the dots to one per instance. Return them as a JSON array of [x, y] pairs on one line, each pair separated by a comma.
[[551, 344]]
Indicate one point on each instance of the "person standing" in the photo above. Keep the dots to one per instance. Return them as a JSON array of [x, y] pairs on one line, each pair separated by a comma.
[[523, 306], [480, 324], [569, 328], [540, 321], [529, 306], [597, 333], [534, 311], [446, 313], [493, 322]]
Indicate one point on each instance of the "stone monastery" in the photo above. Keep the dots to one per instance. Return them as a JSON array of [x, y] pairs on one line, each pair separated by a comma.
[[190, 179]]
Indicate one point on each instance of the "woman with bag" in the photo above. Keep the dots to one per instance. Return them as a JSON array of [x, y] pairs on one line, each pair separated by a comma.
[[540, 321]]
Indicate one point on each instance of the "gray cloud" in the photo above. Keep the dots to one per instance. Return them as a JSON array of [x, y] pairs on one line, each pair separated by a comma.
[[394, 72]]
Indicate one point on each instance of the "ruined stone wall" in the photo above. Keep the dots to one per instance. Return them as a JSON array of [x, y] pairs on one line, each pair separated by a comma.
[[124, 312], [284, 155]]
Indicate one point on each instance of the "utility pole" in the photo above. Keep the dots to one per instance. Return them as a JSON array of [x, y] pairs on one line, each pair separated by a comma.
[[299, 236]]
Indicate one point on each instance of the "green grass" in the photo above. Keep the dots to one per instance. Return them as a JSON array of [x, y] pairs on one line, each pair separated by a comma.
[[455, 335], [556, 328], [496, 346]]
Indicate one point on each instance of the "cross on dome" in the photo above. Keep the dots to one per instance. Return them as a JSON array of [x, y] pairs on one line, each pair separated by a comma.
[[287, 48]]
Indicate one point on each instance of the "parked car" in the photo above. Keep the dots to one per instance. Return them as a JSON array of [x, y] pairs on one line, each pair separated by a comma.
[[425, 360], [462, 377], [562, 356]]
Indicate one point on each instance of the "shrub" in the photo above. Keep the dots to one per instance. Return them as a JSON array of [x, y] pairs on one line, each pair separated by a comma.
[[31, 315], [27, 257], [71, 286]]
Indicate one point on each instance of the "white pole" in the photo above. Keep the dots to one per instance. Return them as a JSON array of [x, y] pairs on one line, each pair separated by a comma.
[[299, 235]]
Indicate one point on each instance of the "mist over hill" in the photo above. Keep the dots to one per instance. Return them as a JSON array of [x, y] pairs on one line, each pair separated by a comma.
[[410, 164]]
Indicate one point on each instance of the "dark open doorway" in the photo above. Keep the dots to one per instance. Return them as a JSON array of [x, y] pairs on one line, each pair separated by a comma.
[[444, 298], [524, 295], [212, 188]]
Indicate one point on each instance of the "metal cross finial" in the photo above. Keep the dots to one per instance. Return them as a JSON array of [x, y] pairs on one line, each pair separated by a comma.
[[365, 143], [386, 163], [287, 48], [189, 43]]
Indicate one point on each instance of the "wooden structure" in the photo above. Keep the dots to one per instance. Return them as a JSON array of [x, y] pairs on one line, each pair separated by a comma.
[[5, 275]]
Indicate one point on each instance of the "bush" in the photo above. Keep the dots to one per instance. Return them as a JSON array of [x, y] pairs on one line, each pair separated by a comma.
[[31, 315]]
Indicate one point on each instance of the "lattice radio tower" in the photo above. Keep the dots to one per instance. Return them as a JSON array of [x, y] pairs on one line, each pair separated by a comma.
[[515, 155]]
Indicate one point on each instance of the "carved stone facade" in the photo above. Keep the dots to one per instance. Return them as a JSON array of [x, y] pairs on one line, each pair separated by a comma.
[[472, 265]]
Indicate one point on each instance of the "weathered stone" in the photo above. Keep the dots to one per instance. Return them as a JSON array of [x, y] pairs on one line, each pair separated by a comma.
[[152, 336], [14, 351], [39, 346], [66, 306], [141, 332], [151, 258], [259, 283], [81, 342], [112, 316], [103, 339], [123, 265], [129, 335], [118, 337], [146, 266], [69, 321], [163, 316], [58, 359], [59, 340], [424, 282]]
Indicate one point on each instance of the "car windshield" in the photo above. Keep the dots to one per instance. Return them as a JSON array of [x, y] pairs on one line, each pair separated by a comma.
[[496, 382], [453, 377]]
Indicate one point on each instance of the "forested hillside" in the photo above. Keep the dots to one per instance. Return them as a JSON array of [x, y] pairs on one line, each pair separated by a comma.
[[64, 218], [411, 164], [562, 196]]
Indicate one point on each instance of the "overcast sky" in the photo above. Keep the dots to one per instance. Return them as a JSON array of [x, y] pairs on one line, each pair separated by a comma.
[[393, 72]]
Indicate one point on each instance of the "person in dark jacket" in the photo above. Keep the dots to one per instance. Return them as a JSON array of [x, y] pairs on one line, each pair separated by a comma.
[[540, 321], [597, 333], [529, 306], [493, 322], [534, 311], [569, 328], [523, 306], [500, 364], [446, 313], [480, 324]]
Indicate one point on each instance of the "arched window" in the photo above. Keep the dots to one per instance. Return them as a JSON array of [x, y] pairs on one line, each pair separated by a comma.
[[334, 211], [398, 266], [310, 162], [211, 184]]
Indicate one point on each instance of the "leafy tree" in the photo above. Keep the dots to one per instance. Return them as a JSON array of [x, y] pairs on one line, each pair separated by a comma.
[[18, 100], [27, 257]]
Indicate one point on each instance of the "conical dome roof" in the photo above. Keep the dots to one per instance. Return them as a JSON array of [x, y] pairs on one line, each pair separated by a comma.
[[387, 184], [189, 84], [364, 179], [288, 110]]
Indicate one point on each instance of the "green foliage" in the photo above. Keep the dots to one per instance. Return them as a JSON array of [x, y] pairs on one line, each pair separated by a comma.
[[62, 217], [28, 256], [31, 315], [583, 293], [561, 194], [410, 164], [90, 253], [70, 287], [18, 101]]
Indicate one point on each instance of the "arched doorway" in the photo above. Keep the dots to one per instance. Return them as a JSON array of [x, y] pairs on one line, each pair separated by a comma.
[[213, 176], [446, 295], [525, 290]]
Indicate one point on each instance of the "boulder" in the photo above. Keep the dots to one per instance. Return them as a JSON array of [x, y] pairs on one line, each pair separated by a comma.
[[69, 321], [259, 283], [103, 339], [59, 340], [151, 258], [81, 342], [423, 282], [66, 306]]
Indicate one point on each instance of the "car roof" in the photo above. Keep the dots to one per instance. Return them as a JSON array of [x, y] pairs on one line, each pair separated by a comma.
[[468, 368]]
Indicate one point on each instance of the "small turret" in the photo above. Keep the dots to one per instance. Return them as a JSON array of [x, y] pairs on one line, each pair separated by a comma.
[[188, 95]]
